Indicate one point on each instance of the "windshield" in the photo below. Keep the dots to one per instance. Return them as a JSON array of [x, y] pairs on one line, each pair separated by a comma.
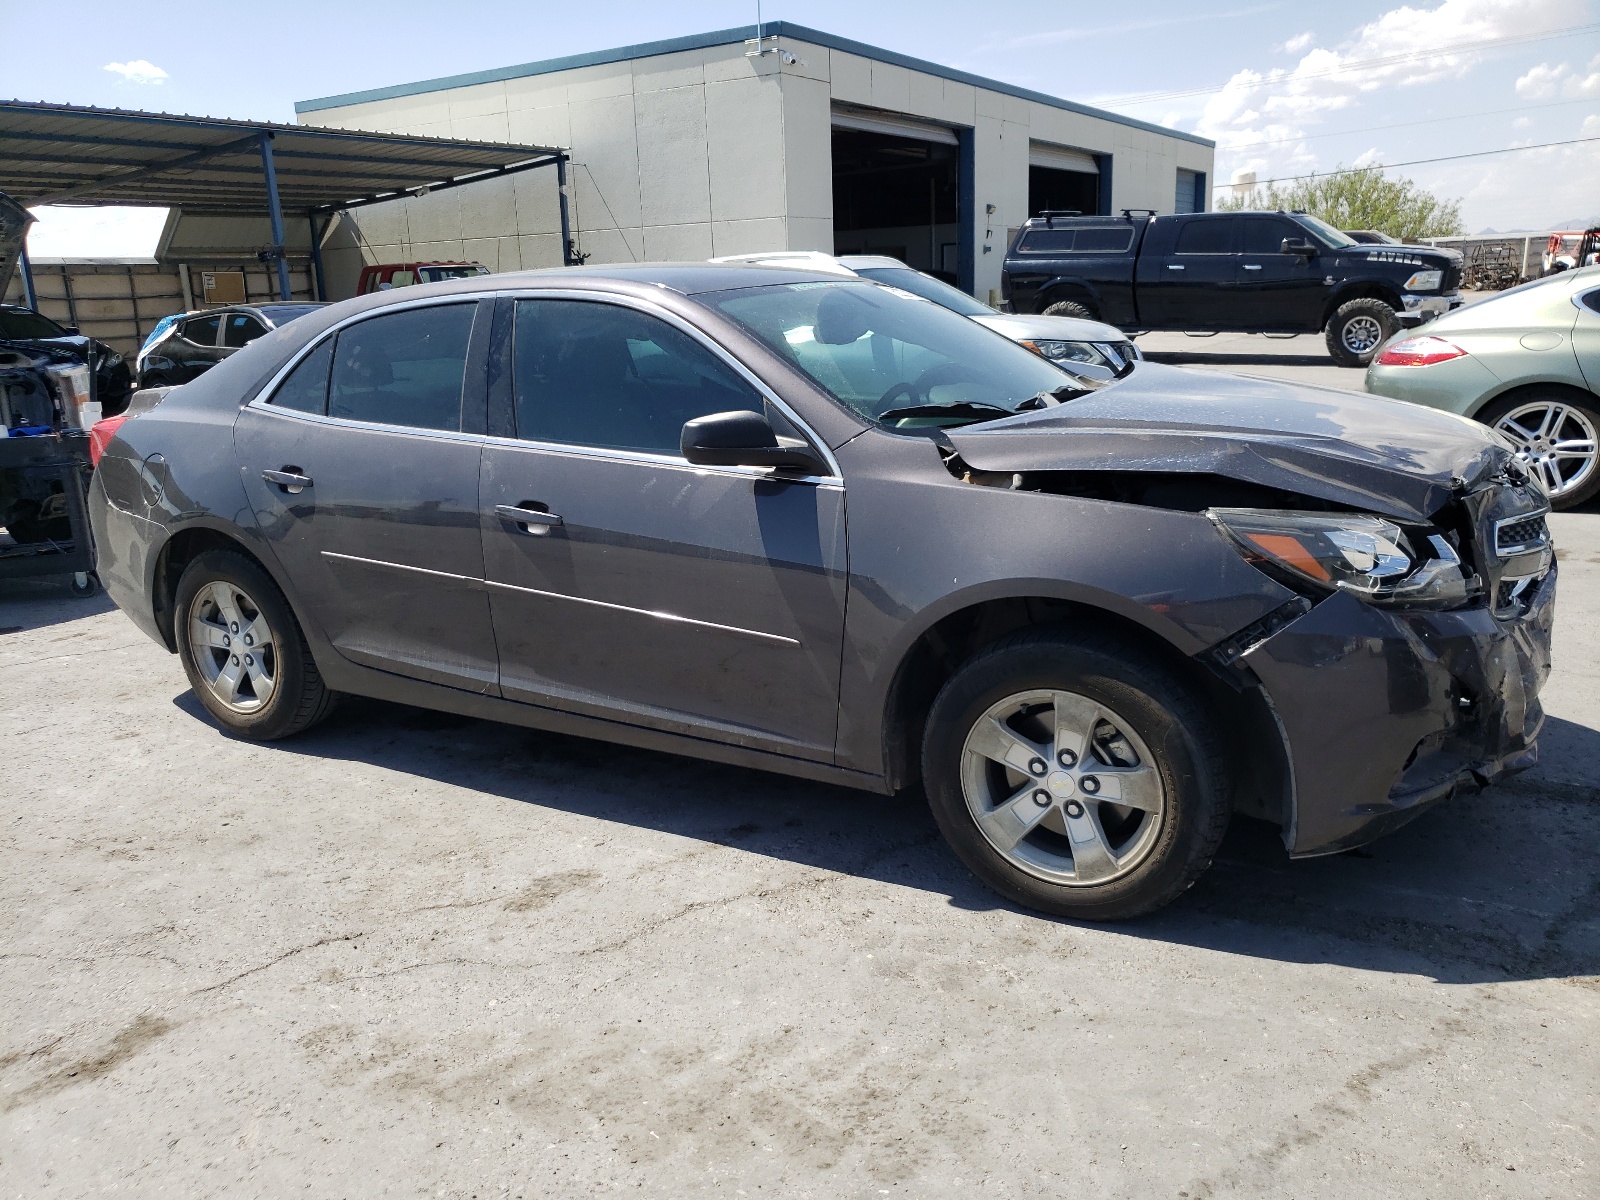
[[926, 286], [878, 350], [282, 314], [1326, 233], [26, 325]]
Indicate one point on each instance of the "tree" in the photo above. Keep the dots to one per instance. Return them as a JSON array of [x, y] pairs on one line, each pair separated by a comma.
[[1360, 198]]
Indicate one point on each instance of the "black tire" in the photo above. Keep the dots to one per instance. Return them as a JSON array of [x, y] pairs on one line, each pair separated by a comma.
[[1070, 308], [1183, 746], [299, 698], [155, 379], [1587, 407], [1350, 335]]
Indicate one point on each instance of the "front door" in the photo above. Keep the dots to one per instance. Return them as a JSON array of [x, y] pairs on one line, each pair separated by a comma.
[[366, 486], [707, 601], [194, 350], [1277, 290], [1189, 284]]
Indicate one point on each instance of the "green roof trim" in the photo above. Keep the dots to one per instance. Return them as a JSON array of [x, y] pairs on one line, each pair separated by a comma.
[[732, 37]]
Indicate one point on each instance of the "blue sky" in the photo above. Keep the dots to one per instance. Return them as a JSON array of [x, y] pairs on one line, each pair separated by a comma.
[[1285, 88]]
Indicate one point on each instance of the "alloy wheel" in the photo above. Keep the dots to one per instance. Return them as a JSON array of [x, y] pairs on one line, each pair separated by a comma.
[[1556, 441], [1361, 334], [233, 646], [1063, 787]]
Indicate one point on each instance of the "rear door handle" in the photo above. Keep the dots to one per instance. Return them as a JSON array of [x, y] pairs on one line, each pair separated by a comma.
[[528, 520], [1174, 266], [290, 481], [1252, 266]]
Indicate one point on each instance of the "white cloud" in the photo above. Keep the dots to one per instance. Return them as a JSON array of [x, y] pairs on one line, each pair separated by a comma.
[[1590, 126], [1544, 81], [137, 71], [1297, 43]]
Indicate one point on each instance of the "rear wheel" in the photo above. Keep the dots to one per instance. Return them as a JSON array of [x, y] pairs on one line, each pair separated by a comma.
[[1556, 438], [1357, 330], [1070, 308], [243, 650], [1075, 776]]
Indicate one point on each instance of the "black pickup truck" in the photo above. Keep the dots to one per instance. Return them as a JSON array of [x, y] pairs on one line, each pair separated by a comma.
[[1242, 272]]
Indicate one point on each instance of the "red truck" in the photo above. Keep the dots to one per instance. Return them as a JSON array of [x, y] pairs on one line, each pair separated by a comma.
[[380, 276]]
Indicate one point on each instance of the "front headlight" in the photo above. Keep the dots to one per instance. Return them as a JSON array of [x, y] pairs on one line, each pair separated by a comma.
[[1369, 556], [1065, 351], [1425, 281]]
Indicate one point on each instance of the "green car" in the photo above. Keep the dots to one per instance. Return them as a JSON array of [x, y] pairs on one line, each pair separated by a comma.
[[1526, 362]]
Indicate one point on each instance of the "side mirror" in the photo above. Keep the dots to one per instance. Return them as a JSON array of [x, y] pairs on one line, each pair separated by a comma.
[[1297, 246], [745, 439]]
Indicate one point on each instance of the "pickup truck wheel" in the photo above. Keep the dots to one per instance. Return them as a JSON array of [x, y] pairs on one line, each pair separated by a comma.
[[1070, 308], [1357, 329], [1075, 776]]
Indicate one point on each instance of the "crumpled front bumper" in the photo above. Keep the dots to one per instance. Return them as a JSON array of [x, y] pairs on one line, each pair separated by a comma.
[[1385, 712]]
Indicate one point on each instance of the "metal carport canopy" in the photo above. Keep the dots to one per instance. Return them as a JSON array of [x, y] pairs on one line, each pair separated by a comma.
[[65, 154]]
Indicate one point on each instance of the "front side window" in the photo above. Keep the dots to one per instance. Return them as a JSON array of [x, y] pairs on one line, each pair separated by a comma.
[[240, 329], [403, 368], [202, 331], [1211, 236], [593, 374], [1264, 235], [1333, 238], [892, 358]]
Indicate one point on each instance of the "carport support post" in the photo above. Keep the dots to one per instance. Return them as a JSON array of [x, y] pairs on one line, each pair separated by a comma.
[[319, 283], [276, 211], [567, 257]]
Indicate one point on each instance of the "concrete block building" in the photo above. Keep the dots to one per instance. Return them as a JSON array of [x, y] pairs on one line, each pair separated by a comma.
[[700, 146]]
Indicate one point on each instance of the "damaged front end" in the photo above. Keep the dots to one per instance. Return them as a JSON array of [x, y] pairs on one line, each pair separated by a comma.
[[1409, 663]]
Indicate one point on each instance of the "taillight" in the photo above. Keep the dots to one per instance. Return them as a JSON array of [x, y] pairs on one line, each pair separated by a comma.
[[100, 435], [1419, 352]]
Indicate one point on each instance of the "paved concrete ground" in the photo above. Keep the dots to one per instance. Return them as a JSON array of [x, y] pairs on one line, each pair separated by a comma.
[[410, 954]]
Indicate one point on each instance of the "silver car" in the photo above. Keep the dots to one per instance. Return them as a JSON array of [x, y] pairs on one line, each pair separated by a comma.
[[1527, 362], [1089, 349]]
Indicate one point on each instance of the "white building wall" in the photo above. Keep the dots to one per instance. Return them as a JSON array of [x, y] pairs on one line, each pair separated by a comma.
[[706, 152]]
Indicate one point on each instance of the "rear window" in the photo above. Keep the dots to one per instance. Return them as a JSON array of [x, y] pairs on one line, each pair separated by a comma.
[[26, 325], [1090, 239], [1204, 237]]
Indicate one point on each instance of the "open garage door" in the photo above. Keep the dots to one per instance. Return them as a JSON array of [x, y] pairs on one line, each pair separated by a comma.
[[1063, 180], [896, 191]]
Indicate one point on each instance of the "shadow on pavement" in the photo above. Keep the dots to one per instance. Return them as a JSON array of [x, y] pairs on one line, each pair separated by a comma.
[[39, 603], [1178, 358], [1504, 885]]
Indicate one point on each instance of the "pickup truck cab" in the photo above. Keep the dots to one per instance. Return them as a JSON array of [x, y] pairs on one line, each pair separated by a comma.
[[1241, 272]]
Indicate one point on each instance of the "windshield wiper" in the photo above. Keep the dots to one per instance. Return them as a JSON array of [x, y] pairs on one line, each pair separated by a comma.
[[961, 408]]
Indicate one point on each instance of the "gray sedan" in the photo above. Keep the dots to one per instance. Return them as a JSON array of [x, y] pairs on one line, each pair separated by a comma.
[[816, 526]]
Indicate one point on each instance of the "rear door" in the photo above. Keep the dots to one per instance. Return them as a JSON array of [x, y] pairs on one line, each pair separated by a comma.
[[1276, 290], [194, 350], [362, 468], [700, 600], [1187, 271]]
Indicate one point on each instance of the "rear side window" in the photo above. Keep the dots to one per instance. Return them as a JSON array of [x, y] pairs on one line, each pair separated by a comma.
[[202, 331], [1205, 237], [405, 368], [1103, 239], [601, 375], [1592, 300], [306, 388], [241, 330]]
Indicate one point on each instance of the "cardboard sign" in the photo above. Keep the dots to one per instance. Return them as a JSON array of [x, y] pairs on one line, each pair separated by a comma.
[[222, 287]]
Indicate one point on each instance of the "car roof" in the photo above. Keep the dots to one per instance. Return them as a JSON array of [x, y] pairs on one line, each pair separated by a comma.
[[686, 278]]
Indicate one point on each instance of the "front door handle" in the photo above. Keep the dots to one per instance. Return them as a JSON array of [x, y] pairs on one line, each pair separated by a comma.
[[1174, 266], [529, 520], [289, 479], [1252, 266]]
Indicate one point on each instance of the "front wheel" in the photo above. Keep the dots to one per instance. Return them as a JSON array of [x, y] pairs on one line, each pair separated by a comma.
[[1557, 437], [1075, 776], [243, 650], [1357, 330]]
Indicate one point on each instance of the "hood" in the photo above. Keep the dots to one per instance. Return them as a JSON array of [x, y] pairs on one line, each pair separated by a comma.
[[1398, 460], [14, 222], [1402, 254], [1055, 329]]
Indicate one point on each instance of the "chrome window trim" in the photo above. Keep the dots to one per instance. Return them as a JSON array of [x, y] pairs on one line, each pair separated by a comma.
[[493, 585], [262, 400], [1580, 300]]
